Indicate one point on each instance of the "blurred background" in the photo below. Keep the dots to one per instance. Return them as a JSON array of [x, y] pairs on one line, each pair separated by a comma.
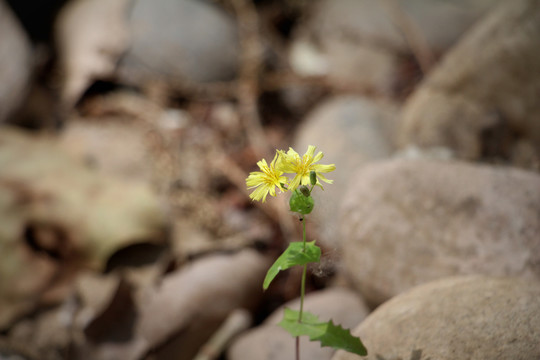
[[128, 127]]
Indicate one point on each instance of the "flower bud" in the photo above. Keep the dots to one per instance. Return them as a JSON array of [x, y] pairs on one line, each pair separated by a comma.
[[313, 177], [304, 190], [300, 203]]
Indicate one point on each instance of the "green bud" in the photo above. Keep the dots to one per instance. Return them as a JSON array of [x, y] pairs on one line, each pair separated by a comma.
[[313, 177], [300, 203], [304, 190]]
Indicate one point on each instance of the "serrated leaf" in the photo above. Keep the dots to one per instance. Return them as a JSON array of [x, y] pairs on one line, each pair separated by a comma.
[[327, 333], [293, 255]]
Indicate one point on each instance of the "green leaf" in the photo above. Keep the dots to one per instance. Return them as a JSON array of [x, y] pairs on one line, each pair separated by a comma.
[[293, 255], [327, 333]]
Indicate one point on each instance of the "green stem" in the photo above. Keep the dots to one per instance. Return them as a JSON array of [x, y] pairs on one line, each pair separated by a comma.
[[302, 293], [304, 272], [304, 231], [302, 287]]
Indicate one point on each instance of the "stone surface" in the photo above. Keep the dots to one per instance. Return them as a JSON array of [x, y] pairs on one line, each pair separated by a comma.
[[57, 216], [180, 40], [179, 314], [357, 41], [481, 100], [115, 147], [90, 36], [406, 222], [271, 342], [473, 317], [15, 63], [350, 131]]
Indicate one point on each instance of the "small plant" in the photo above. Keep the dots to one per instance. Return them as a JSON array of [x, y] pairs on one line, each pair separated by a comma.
[[307, 174]]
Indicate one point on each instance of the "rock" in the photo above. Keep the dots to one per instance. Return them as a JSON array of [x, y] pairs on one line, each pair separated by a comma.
[[271, 342], [57, 216], [350, 131], [97, 141], [15, 63], [90, 35], [415, 153], [472, 317], [94, 296], [358, 42], [481, 101], [375, 69], [180, 40], [121, 134], [175, 318], [408, 222]]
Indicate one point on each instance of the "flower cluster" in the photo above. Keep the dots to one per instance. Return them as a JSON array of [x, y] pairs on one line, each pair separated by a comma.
[[273, 176]]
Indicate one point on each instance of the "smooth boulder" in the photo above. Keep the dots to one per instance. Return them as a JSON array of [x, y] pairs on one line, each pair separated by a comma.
[[174, 41], [481, 100], [407, 222], [472, 317]]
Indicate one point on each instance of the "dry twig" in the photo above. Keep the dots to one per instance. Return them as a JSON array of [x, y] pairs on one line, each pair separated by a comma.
[[238, 321], [250, 67]]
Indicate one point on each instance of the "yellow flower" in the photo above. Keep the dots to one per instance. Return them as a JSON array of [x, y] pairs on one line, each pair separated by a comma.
[[291, 162], [266, 180]]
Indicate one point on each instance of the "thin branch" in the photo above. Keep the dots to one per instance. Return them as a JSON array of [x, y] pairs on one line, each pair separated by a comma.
[[250, 68], [238, 321]]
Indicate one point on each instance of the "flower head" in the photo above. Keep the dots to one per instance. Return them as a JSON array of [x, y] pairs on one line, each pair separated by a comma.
[[266, 180], [291, 162]]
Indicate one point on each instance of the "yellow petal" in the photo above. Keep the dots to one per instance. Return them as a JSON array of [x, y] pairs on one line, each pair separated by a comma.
[[310, 151], [318, 157], [320, 168]]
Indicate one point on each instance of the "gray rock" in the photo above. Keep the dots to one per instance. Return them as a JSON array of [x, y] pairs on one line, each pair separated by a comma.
[[441, 23], [271, 342], [90, 36], [472, 317], [15, 63], [346, 64], [180, 40], [482, 99], [408, 222], [351, 131], [357, 41]]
